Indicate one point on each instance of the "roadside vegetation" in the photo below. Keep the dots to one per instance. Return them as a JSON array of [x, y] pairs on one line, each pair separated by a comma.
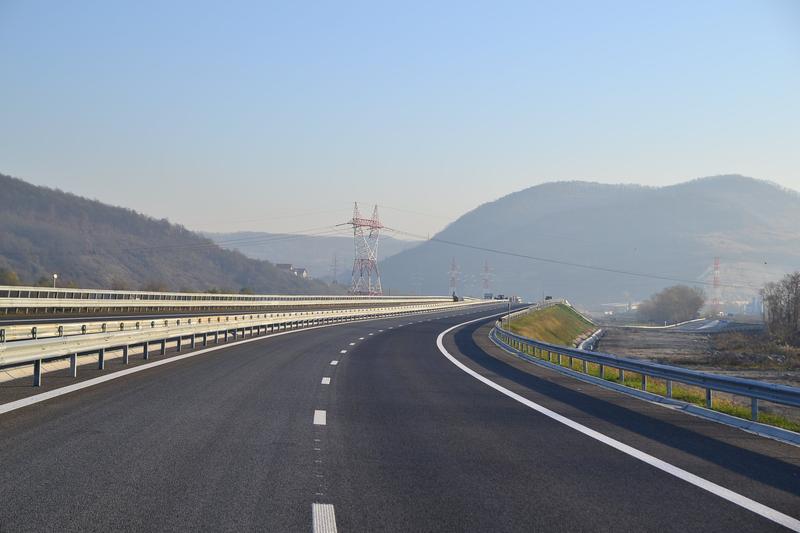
[[724, 403], [678, 303], [782, 309], [758, 351], [558, 324]]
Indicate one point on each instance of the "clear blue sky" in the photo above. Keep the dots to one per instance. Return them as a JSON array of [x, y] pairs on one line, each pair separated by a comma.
[[243, 115]]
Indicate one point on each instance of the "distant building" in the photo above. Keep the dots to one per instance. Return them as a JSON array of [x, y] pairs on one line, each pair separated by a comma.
[[287, 267]]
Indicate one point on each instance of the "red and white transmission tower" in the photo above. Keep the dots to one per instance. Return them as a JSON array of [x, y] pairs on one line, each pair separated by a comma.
[[366, 279]]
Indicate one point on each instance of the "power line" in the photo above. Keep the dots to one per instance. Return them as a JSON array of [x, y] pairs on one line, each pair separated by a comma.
[[570, 263]]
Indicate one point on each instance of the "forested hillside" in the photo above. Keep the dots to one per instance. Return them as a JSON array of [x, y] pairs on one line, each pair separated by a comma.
[[91, 244], [667, 235]]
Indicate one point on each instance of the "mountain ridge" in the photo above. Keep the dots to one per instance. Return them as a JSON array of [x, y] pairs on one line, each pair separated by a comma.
[[670, 231], [92, 244]]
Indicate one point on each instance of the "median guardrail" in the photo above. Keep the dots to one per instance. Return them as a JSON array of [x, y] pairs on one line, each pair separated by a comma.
[[131, 333], [44, 300], [752, 389]]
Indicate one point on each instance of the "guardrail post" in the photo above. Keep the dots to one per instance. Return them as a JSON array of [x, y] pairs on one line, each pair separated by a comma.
[[192, 341], [146, 351], [622, 376], [754, 409], [205, 339], [178, 344], [585, 367], [602, 371], [125, 355], [644, 382], [73, 365], [669, 388], [164, 347], [37, 373], [101, 359], [709, 398]]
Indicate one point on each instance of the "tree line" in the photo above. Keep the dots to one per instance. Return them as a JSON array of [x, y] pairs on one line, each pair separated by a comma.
[[672, 305], [782, 308]]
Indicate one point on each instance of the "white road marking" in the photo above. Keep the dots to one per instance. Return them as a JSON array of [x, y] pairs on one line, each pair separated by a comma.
[[326, 381], [334, 362], [320, 418], [380, 331], [726, 494], [323, 518], [342, 351], [372, 334], [361, 338], [37, 398], [352, 344]]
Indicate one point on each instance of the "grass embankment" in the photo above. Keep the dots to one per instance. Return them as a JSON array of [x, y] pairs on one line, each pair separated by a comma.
[[684, 393], [559, 324]]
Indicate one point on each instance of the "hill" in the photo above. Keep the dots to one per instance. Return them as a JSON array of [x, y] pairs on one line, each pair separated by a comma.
[[313, 252], [558, 324], [91, 244], [753, 226]]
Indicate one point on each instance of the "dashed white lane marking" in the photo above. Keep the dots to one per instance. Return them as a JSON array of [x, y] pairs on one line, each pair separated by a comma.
[[323, 518], [361, 338], [342, 351], [320, 418], [380, 331], [352, 344], [726, 494], [334, 362], [326, 381], [372, 334]]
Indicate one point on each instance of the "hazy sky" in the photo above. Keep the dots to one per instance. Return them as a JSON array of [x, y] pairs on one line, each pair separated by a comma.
[[275, 117]]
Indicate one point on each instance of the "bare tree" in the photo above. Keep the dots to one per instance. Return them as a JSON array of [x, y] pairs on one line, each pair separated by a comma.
[[674, 304], [782, 308]]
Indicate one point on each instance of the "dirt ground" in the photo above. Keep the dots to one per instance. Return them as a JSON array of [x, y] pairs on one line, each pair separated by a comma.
[[729, 354]]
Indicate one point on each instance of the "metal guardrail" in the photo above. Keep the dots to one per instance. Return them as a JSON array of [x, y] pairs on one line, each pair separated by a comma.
[[37, 350], [755, 390], [42, 299]]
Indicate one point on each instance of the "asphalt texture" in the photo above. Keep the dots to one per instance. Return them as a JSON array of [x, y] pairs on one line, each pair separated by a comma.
[[225, 441]]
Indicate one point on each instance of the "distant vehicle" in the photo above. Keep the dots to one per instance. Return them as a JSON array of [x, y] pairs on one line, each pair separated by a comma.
[[548, 298], [500, 297], [488, 296]]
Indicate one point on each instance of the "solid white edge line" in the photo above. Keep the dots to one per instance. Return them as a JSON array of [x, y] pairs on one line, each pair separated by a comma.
[[37, 398], [325, 381], [718, 490], [323, 518], [320, 417]]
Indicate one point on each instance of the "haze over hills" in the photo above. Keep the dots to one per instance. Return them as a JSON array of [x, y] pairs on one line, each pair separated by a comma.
[[313, 252], [753, 226], [91, 244]]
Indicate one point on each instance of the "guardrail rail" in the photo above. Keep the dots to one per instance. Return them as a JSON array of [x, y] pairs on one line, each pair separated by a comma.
[[754, 390], [34, 344]]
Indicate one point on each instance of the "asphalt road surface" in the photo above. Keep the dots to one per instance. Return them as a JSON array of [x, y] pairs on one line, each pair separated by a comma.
[[398, 438]]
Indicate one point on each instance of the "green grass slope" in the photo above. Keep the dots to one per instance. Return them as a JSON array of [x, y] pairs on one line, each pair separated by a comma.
[[559, 324]]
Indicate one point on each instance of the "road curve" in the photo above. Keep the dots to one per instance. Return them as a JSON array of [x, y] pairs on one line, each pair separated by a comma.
[[397, 438]]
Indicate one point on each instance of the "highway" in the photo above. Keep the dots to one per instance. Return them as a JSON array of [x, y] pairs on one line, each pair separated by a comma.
[[398, 437]]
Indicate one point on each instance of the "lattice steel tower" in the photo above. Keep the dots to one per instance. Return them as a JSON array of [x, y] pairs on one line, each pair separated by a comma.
[[366, 278]]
